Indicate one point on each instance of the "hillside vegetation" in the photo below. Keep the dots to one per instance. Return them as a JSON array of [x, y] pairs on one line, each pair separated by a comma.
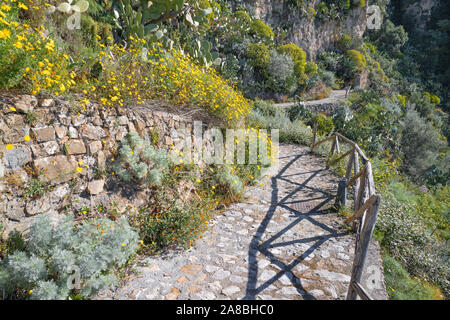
[[207, 54]]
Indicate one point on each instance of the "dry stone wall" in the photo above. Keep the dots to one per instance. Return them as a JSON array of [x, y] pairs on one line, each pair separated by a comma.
[[62, 140]]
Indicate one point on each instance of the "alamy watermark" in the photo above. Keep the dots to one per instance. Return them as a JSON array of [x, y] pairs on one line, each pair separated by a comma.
[[74, 279], [73, 10], [374, 17], [224, 146]]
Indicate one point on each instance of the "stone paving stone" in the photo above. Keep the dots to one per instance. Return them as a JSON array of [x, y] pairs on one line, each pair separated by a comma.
[[301, 248]]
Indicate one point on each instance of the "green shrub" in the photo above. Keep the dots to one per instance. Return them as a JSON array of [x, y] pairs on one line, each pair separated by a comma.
[[300, 112], [281, 66], [331, 61], [280, 73], [140, 162], [324, 124], [405, 235], [299, 69], [259, 55], [169, 223], [43, 269], [362, 3], [322, 9], [266, 108], [420, 144], [226, 179], [243, 16], [289, 131], [433, 98], [293, 51], [357, 60], [345, 42], [311, 69], [261, 30], [328, 78], [400, 286]]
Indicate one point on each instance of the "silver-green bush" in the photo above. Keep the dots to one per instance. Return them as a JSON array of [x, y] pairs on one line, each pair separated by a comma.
[[55, 257], [139, 162]]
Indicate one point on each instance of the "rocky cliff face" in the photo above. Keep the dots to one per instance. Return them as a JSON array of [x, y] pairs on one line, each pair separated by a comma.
[[416, 14], [312, 35]]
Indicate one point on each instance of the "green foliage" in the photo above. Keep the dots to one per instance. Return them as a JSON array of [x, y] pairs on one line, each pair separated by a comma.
[[294, 131], [95, 32], [420, 144], [400, 286], [331, 61], [261, 30], [358, 61], [266, 108], [280, 70], [300, 112], [259, 55], [390, 38], [169, 223], [328, 78], [433, 98], [322, 9], [45, 265], [243, 16], [324, 124], [345, 42], [406, 236], [299, 69], [140, 162], [36, 188], [293, 51], [431, 204], [226, 179], [311, 68], [361, 3]]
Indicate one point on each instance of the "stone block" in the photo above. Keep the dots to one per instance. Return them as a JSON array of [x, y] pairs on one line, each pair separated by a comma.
[[60, 168], [75, 147], [44, 134]]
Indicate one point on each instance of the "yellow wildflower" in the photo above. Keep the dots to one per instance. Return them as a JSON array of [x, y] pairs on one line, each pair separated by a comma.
[[5, 34], [22, 6]]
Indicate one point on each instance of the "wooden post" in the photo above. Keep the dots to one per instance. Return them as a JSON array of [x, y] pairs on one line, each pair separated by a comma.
[[341, 197], [360, 199], [348, 173], [333, 146], [338, 150], [363, 294], [315, 132], [356, 170], [363, 246]]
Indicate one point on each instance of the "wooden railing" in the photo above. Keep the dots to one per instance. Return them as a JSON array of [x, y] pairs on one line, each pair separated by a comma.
[[366, 204]]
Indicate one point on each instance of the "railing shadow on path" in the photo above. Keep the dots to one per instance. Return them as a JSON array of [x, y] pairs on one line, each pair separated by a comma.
[[256, 246]]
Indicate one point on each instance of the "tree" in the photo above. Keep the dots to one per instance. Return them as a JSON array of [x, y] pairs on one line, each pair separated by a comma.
[[390, 38]]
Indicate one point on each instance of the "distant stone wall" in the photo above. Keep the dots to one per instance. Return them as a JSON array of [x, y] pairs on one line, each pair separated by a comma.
[[61, 140]]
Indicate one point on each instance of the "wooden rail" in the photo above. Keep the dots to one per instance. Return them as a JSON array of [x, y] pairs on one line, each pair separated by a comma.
[[366, 204]]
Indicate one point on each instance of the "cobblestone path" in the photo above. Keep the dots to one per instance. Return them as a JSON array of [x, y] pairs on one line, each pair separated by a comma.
[[281, 243]]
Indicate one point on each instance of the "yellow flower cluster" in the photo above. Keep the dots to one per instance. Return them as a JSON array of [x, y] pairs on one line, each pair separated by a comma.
[[118, 74], [136, 73], [180, 80], [29, 49]]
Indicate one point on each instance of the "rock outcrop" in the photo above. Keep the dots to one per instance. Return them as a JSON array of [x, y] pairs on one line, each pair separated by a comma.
[[310, 34]]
